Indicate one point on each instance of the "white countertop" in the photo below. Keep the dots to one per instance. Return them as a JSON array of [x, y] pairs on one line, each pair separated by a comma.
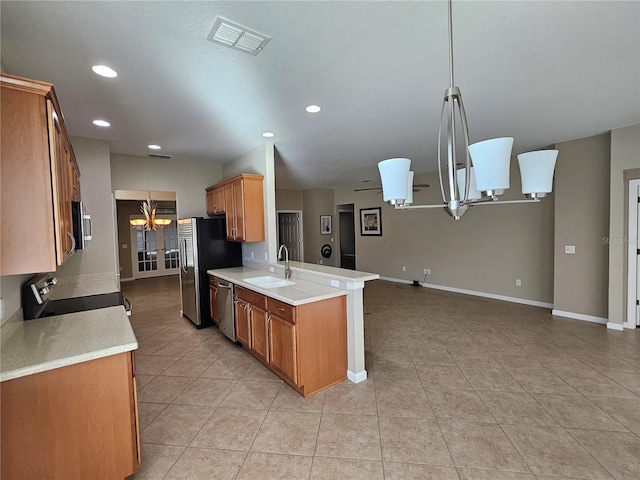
[[298, 294], [43, 344], [333, 272]]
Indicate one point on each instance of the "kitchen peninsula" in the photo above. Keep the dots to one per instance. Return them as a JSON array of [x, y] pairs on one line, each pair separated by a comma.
[[312, 283]]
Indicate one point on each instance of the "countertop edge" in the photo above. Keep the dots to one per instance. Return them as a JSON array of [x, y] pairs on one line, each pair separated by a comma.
[[67, 361]]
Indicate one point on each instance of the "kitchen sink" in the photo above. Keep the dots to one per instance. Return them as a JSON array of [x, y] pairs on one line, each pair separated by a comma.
[[269, 282]]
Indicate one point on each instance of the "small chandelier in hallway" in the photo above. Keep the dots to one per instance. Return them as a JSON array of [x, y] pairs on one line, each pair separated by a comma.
[[149, 222]]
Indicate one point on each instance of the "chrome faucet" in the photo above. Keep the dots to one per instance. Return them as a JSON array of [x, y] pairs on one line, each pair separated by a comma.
[[287, 270]]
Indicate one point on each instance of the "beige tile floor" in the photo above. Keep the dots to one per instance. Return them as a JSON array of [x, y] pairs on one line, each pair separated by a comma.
[[459, 388]]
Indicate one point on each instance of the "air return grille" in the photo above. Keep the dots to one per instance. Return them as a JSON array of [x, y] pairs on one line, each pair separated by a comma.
[[158, 155], [238, 37]]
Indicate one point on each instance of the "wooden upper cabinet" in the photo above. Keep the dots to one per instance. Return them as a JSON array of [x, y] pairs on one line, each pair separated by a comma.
[[215, 200], [38, 181], [242, 200]]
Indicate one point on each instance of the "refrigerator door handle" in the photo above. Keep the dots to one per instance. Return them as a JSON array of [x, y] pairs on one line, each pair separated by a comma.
[[184, 255]]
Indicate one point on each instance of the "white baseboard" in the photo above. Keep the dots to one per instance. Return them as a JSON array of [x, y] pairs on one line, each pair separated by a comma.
[[615, 326], [504, 298], [130, 279], [580, 316], [357, 377]]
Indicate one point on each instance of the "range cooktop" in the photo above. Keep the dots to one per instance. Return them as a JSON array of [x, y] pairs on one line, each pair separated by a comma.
[[37, 303]]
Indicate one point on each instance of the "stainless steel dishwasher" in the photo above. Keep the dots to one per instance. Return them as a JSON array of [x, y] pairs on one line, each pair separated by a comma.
[[225, 309]]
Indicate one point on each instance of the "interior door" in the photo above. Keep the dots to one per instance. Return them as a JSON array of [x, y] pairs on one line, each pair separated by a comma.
[[289, 234], [155, 252], [347, 240]]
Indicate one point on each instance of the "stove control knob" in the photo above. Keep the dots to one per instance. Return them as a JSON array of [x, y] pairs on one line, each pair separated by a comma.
[[52, 281], [43, 290]]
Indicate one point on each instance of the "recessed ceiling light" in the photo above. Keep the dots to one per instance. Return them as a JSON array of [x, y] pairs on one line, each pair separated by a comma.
[[154, 147], [268, 134], [313, 109], [104, 71], [101, 123]]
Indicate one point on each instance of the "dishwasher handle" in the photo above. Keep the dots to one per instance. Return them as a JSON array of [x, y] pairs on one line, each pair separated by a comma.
[[224, 285]]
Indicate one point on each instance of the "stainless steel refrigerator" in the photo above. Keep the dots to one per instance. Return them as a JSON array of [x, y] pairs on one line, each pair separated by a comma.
[[203, 246]]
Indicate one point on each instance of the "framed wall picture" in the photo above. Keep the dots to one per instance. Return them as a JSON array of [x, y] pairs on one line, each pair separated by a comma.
[[371, 221], [325, 224]]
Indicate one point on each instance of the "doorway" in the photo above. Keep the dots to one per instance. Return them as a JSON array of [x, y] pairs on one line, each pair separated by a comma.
[[154, 253], [290, 233], [633, 256], [347, 233]]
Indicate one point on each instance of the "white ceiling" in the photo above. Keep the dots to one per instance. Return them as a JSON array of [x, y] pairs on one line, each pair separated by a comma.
[[540, 71]]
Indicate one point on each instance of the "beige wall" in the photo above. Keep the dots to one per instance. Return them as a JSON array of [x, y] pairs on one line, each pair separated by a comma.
[[317, 202], [289, 199], [259, 160], [625, 160], [485, 251], [188, 178], [582, 219]]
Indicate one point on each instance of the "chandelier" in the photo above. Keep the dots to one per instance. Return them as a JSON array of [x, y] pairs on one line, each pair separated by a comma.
[[484, 174], [149, 222]]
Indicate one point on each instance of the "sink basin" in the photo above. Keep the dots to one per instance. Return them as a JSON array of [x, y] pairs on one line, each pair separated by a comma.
[[269, 282]]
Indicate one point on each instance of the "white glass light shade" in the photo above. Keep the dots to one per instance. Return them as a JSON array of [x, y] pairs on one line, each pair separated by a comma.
[[474, 193], [491, 160], [138, 222], [536, 171], [394, 174], [163, 221], [409, 199]]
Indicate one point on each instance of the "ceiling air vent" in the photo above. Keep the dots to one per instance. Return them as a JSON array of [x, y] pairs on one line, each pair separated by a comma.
[[238, 37], [158, 155]]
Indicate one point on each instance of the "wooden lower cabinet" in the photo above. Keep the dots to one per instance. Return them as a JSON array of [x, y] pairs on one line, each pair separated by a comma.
[[243, 328], [305, 345], [74, 422]]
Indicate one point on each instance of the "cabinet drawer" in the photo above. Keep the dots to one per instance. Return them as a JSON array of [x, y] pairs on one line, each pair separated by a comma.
[[281, 309], [250, 297]]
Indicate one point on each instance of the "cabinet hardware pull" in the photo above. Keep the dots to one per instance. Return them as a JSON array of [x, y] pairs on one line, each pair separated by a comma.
[[73, 243]]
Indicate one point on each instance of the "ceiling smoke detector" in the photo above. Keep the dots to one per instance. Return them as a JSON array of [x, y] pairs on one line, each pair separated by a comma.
[[238, 37]]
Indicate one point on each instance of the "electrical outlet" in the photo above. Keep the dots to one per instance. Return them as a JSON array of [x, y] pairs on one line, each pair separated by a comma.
[[335, 283], [266, 257], [518, 282], [272, 270], [125, 246], [1, 307], [570, 249], [426, 271], [404, 268], [253, 254]]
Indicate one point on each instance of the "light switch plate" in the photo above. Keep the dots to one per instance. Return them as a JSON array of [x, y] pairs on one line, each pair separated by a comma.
[[570, 249]]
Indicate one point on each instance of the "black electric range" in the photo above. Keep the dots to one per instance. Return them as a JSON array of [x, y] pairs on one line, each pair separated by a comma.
[[36, 301]]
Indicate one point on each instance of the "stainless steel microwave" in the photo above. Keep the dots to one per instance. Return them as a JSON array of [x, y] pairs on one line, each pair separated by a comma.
[[81, 225]]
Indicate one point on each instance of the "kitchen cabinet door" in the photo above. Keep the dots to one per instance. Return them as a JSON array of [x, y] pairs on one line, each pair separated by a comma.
[[39, 173], [243, 327], [259, 333], [78, 421], [282, 346]]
